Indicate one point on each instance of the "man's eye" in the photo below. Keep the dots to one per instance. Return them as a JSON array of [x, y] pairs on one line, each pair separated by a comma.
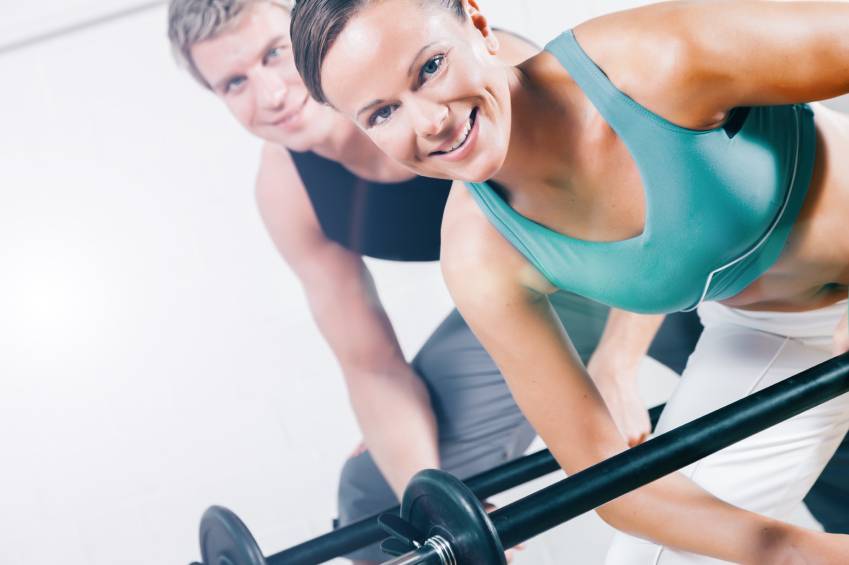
[[431, 67], [234, 83], [381, 115], [275, 52]]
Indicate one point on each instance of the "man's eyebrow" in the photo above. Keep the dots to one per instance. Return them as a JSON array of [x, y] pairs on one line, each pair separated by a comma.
[[223, 82], [410, 72], [230, 76]]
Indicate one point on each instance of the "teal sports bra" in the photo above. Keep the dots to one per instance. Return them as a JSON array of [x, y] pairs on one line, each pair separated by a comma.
[[719, 203]]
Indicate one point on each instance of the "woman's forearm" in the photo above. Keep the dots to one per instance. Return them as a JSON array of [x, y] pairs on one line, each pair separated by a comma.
[[675, 512], [627, 336], [624, 343]]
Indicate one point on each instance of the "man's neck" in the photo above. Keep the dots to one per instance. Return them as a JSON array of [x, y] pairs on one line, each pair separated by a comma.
[[350, 147], [341, 134]]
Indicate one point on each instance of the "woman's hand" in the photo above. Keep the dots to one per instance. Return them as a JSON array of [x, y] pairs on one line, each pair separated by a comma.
[[618, 388], [791, 545], [828, 548], [614, 366], [840, 340]]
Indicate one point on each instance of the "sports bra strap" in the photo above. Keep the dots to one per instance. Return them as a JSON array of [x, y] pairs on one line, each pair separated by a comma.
[[618, 109]]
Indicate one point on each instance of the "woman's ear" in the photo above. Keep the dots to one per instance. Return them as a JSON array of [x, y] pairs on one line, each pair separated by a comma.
[[482, 25]]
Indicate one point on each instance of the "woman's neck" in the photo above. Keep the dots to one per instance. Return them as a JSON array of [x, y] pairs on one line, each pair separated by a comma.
[[549, 117]]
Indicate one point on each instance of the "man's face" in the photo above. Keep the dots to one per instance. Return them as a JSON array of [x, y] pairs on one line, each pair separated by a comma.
[[250, 66]]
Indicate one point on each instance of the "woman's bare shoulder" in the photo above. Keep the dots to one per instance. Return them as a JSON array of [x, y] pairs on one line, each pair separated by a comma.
[[474, 253]]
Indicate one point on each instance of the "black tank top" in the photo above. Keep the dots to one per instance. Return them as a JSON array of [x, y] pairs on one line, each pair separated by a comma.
[[395, 221]]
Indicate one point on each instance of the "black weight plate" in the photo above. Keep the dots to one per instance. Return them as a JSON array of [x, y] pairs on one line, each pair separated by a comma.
[[225, 540], [438, 503]]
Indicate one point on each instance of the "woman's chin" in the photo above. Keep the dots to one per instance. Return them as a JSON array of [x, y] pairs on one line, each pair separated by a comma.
[[480, 172], [481, 177]]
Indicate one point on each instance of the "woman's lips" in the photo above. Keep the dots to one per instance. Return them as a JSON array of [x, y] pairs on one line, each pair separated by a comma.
[[461, 145]]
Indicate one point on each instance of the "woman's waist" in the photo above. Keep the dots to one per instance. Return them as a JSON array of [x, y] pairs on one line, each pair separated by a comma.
[[768, 294], [811, 321]]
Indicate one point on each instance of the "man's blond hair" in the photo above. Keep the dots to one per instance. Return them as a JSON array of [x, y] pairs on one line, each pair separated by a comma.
[[193, 21]]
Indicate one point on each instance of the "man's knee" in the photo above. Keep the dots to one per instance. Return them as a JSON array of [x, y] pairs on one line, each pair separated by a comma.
[[362, 490]]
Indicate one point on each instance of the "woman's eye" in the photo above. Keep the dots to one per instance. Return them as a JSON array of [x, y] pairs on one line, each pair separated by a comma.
[[381, 115], [431, 67]]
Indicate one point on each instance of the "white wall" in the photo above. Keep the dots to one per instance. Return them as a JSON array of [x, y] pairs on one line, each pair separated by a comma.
[[156, 355], [26, 21], [152, 344]]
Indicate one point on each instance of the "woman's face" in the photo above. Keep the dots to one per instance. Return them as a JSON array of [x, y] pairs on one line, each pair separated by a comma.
[[250, 66], [424, 87]]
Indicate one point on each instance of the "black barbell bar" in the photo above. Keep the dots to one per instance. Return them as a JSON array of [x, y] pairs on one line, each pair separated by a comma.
[[435, 500], [367, 531], [224, 536], [222, 533]]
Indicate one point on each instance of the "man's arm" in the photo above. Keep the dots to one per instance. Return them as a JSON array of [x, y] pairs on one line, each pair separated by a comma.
[[390, 401]]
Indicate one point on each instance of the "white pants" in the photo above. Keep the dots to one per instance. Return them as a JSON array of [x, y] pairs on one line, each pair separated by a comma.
[[771, 472]]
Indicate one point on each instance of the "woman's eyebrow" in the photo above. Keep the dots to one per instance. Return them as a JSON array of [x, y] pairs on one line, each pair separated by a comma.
[[412, 68], [410, 71], [369, 105]]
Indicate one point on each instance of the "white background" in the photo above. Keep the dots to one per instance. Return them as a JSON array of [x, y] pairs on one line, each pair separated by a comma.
[[156, 355]]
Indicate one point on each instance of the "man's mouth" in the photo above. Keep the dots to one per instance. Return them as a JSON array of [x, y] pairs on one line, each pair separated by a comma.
[[462, 136], [288, 116]]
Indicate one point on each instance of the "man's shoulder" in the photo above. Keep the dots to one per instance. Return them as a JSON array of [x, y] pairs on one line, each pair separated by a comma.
[[276, 169]]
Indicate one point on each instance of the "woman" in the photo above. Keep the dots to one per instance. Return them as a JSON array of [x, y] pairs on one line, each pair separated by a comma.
[[655, 160], [329, 197]]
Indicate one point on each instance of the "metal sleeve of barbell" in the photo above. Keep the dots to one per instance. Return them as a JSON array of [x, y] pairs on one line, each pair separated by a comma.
[[364, 532], [425, 555], [333, 544], [670, 452]]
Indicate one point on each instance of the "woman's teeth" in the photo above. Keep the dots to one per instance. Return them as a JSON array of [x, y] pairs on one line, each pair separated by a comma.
[[462, 137]]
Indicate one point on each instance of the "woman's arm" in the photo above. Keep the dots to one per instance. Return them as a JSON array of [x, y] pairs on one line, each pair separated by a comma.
[[692, 61], [614, 365], [390, 401], [504, 301], [769, 52]]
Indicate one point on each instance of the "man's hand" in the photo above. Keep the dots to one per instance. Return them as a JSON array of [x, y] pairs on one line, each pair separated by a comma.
[[618, 388]]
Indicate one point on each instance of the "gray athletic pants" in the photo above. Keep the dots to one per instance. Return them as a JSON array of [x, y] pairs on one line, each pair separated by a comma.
[[479, 424]]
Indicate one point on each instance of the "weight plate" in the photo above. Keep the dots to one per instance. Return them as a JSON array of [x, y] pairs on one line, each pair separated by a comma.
[[438, 503], [225, 540]]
